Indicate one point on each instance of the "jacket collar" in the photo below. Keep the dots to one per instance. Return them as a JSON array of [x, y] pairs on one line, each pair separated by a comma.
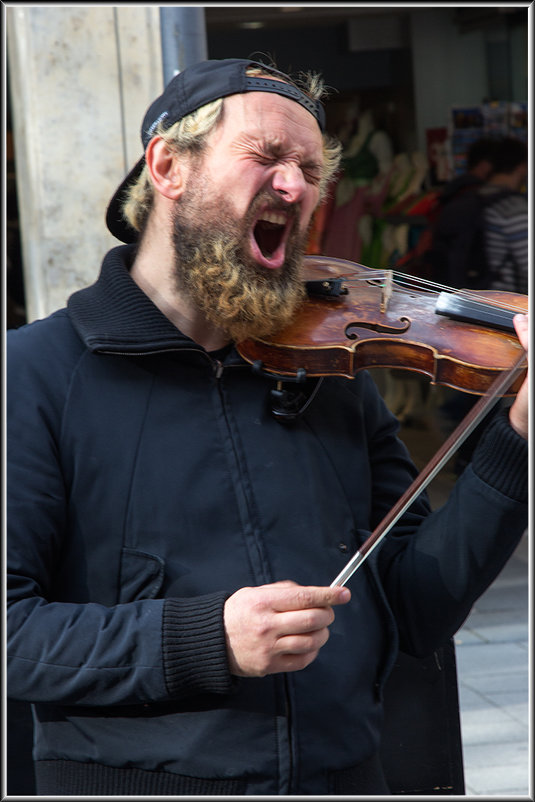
[[115, 315]]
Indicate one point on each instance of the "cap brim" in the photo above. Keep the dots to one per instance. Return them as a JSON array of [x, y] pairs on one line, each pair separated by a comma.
[[115, 220]]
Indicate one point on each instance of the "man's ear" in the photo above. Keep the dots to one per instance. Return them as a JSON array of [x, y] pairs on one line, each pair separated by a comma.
[[164, 168]]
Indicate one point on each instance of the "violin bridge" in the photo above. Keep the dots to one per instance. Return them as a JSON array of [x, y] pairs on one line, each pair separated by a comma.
[[386, 290]]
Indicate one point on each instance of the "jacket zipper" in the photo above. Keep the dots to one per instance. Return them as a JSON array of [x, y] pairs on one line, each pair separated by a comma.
[[218, 368], [216, 363], [218, 373], [288, 711], [148, 353]]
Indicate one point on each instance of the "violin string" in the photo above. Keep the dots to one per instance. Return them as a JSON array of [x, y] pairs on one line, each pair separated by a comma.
[[469, 294], [472, 298], [405, 279], [415, 282], [494, 314]]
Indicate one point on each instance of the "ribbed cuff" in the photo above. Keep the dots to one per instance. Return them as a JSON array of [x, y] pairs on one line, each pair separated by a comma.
[[501, 458], [194, 647]]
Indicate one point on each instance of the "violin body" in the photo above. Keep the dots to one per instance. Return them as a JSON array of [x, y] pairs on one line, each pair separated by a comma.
[[375, 322]]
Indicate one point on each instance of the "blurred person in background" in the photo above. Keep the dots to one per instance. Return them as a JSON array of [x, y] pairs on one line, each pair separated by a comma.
[[506, 218]]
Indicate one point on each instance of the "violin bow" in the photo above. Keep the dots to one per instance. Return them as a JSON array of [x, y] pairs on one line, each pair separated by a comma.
[[449, 447]]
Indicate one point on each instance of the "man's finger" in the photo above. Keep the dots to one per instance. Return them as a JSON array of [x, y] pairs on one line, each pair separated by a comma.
[[311, 619], [303, 597], [521, 324]]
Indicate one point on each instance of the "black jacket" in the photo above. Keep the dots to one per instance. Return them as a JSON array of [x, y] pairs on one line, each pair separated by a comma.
[[147, 482]]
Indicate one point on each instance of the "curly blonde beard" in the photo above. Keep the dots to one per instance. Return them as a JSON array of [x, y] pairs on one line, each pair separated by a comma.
[[230, 289]]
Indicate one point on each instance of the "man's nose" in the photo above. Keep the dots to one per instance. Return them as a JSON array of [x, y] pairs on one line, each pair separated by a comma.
[[290, 182]]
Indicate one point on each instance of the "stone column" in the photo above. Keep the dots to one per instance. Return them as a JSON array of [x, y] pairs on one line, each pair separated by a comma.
[[81, 78]]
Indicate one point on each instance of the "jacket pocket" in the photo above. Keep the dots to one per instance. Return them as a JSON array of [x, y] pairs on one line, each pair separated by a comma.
[[141, 575]]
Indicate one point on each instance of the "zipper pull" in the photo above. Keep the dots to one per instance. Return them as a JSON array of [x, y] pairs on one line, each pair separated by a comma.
[[218, 368]]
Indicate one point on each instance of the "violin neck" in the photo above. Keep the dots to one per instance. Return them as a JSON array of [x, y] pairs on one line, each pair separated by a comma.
[[461, 307]]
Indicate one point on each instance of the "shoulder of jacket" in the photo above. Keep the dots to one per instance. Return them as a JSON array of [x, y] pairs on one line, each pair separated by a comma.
[[49, 346], [33, 337]]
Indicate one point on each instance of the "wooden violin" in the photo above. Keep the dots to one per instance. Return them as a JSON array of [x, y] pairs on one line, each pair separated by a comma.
[[358, 317]]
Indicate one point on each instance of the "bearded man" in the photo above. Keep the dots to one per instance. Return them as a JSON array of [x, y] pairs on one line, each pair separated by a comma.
[[172, 545]]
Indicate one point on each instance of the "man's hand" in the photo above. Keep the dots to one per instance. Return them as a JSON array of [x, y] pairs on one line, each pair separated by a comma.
[[278, 627], [518, 414]]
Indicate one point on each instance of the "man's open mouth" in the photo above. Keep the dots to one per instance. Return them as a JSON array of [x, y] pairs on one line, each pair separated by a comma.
[[270, 233]]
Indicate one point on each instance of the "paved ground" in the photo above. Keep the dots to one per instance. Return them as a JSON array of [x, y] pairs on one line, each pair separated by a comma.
[[492, 651], [492, 663]]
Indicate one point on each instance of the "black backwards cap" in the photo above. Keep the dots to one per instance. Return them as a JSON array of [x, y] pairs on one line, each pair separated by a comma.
[[189, 90]]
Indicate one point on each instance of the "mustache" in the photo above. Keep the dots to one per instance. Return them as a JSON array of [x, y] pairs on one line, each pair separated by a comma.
[[266, 198]]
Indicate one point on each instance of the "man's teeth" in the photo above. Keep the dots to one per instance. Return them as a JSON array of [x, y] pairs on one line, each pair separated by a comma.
[[277, 218]]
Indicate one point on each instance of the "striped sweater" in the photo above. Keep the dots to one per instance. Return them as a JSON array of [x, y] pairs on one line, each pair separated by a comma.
[[506, 241]]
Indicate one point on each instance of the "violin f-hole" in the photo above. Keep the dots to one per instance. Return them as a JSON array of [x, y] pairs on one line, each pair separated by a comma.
[[381, 328]]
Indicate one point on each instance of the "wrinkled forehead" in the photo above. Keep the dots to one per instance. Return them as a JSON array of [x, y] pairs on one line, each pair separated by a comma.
[[271, 117]]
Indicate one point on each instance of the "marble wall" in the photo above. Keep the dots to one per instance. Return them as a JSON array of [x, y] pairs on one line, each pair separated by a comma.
[[81, 78]]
